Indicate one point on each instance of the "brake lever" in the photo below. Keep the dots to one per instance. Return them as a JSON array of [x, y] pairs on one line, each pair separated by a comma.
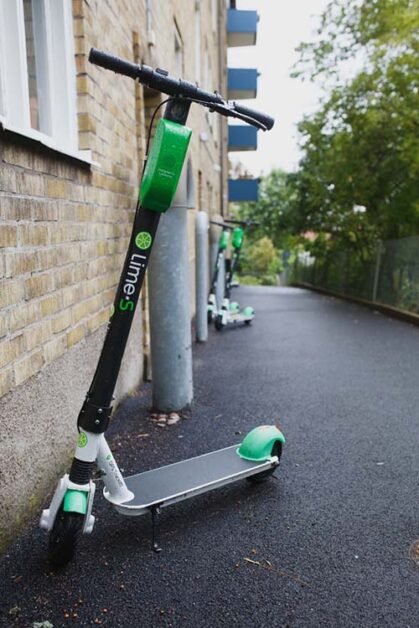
[[229, 112]]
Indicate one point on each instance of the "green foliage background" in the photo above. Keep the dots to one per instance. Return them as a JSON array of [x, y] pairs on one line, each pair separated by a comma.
[[358, 179]]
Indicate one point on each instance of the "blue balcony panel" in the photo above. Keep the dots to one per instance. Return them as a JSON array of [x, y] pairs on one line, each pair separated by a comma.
[[241, 28], [243, 190], [242, 83], [242, 137]]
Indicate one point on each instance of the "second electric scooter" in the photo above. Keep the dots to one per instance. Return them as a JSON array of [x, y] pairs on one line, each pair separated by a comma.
[[223, 241], [255, 458], [230, 313]]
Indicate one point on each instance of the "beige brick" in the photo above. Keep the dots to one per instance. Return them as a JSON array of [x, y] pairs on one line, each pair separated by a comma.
[[7, 179], [10, 349], [14, 208], [76, 334], [11, 292], [45, 210], [8, 236], [86, 122], [17, 156], [54, 348], [71, 295], [7, 380], [63, 276], [20, 263], [62, 321], [46, 258], [39, 285], [23, 315], [29, 184], [56, 188], [50, 304], [3, 324], [33, 235], [28, 366], [37, 335], [97, 320]]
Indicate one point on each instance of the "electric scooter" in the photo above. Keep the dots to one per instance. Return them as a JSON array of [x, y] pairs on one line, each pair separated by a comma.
[[230, 313], [255, 458], [223, 242]]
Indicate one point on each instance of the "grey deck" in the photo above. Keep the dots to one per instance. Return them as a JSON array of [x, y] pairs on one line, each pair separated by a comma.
[[178, 481]]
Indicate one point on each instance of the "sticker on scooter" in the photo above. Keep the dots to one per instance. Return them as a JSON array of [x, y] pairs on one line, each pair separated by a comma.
[[143, 240], [82, 441]]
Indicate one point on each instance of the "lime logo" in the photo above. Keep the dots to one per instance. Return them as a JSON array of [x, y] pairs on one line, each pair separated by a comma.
[[82, 442], [143, 240]]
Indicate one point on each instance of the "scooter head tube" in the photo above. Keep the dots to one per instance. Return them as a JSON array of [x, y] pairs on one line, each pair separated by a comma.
[[257, 445], [164, 165]]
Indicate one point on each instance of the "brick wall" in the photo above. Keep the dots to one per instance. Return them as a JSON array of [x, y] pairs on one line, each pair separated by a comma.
[[63, 233]]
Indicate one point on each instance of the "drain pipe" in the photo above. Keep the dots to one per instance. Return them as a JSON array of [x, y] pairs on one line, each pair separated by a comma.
[[201, 276], [170, 315]]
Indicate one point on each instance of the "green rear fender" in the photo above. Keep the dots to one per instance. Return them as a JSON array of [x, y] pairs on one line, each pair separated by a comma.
[[76, 501], [257, 445]]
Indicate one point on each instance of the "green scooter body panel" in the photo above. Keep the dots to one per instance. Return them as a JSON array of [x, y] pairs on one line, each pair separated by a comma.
[[75, 501], [224, 239], [164, 165], [258, 443], [248, 311], [237, 237]]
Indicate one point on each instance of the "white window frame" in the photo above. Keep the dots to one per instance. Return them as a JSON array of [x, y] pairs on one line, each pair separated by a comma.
[[61, 109]]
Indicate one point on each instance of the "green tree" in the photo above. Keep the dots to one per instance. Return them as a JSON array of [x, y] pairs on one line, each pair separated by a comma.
[[358, 177]]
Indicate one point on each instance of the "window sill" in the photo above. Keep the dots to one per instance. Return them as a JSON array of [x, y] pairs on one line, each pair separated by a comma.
[[83, 156]]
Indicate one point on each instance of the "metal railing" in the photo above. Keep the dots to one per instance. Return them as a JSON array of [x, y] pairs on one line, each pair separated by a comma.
[[387, 274]]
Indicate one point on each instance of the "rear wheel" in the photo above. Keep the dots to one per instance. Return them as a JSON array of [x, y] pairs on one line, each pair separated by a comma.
[[248, 322], [63, 538], [264, 475]]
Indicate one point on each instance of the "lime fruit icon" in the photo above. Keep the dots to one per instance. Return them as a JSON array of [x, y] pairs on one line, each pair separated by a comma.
[[143, 240]]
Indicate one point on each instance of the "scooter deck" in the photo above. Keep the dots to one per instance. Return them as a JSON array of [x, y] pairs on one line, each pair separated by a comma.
[[181, 480]]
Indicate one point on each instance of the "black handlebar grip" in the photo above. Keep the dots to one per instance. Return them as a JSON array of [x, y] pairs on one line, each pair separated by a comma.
[[110, 62], [256, 115]]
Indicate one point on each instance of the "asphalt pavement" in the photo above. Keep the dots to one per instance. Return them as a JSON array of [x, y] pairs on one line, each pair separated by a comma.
[[328, 542]]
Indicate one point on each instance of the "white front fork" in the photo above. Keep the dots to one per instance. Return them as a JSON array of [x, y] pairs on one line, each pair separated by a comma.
[[90, 447]]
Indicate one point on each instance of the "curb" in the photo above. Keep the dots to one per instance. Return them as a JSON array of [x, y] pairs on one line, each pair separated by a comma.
[[393, 312]]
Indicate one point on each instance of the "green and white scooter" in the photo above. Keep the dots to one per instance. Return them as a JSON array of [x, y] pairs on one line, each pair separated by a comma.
[[223, 242], [70, 512], [230, 312]]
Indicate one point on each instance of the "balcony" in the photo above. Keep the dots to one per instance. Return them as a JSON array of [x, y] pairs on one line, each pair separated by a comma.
[[241, 28], [242, 137], [242, 83], [243, 190]]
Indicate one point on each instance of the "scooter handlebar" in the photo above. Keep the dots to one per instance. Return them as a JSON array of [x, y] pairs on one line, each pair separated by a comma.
[[161, 81]]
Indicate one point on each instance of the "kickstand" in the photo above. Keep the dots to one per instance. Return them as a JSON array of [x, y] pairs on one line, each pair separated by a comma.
[[155, 511]]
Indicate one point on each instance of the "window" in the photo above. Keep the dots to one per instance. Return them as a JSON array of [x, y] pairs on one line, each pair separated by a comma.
[[37, 72]]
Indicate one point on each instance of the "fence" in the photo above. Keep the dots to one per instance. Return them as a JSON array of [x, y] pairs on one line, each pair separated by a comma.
[[387, 274]]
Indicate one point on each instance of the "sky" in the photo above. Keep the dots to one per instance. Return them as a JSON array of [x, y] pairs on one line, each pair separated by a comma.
[[283, 25]]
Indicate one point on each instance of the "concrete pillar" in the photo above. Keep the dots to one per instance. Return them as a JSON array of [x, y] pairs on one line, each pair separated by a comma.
[[170, 315]]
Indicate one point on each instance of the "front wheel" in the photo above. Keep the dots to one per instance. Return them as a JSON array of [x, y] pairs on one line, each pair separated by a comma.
[[219, 322], [63, 538], [264, 475]]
